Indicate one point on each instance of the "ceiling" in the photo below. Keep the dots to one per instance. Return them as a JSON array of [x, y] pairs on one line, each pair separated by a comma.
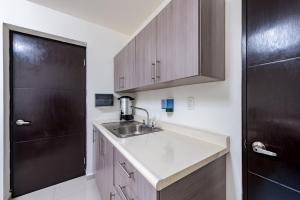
[[124, 16]]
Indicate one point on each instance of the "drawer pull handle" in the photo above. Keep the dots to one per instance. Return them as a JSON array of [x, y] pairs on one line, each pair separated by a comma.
[[123, 167], [111, 196], [122, 188]]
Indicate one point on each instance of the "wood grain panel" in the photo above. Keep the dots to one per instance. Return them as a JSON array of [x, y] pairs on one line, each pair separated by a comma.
[[42, 63], [104, 167], [212, 43], [208, 183], [129, 60], [41, 163], [264, 189], [272, 35], [48, 83], [47, 122], [146, 55], [178, 40], [118, 72], [137, 186], [273, 115], [125, 75], [190, 42]]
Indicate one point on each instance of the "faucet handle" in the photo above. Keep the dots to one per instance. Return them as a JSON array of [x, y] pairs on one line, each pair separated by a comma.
[[144, 122]]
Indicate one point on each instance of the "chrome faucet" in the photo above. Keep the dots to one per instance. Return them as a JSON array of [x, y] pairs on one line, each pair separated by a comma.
[[143, 109]]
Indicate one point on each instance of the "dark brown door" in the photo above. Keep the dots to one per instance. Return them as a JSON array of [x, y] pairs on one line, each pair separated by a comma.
[[272, 99], [48, 83]]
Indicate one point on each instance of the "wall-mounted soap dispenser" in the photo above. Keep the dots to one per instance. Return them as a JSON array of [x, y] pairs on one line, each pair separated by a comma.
[[168, 105]]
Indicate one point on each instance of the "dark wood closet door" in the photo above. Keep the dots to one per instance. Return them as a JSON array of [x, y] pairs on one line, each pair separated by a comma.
[[272, 108], [48, 83]]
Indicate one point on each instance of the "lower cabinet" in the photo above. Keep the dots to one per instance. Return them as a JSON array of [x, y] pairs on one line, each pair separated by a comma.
[[104, 166], [129, 183], [117, 178]]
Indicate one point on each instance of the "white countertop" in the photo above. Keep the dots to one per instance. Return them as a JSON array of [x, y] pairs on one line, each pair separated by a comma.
[[167, 156]]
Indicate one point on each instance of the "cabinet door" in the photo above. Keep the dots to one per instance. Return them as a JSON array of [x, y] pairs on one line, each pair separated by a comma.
[[129, 66], [104, 167], [108, 169], [178, 40], [125, 77], [115, 196], [146, 55], [130, 182], [96, 153], [118, 72], [99, 162]]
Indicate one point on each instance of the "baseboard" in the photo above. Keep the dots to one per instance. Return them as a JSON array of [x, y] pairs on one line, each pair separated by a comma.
[[90, 176]]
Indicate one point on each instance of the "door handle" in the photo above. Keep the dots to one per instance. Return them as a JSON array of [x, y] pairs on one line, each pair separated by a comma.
[[260, 148], [21, 122]]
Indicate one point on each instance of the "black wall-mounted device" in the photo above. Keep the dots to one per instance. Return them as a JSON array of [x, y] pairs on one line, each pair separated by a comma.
[[102, 100]]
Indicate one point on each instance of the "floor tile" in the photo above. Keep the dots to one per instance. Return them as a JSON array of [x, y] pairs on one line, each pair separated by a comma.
[[44, 194], [82, 188]]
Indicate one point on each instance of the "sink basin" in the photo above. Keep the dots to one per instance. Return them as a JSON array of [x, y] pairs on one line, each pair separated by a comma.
[[129, 129]]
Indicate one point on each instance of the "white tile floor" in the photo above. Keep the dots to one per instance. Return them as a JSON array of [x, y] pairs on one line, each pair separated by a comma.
[[83, 188]]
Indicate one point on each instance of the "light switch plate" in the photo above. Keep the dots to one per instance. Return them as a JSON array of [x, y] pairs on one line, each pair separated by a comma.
[[191, 103]]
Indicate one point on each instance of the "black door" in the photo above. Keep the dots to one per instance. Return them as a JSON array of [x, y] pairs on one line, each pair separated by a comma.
[[272, 99], [48, 106]]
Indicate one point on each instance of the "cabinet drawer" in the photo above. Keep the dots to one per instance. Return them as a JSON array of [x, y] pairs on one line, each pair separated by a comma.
[[126, 193], [125, 174], [130, 182]]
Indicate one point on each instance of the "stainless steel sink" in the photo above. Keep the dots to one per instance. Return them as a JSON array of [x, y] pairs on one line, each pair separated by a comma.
[[129, 129]]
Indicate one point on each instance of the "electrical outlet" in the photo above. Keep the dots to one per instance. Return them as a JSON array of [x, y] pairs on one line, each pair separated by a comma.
[[191, 103]]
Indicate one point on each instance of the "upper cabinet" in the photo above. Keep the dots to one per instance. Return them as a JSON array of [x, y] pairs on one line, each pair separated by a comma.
[[124, 68], [184, 44], [178, 40], [146, 55]]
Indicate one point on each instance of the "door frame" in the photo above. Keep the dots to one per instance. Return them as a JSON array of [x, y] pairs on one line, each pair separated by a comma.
[[7, 28], [244, 102]]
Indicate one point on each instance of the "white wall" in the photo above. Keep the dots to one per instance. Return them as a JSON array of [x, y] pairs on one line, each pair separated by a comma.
[[102, 45], [217, 105]]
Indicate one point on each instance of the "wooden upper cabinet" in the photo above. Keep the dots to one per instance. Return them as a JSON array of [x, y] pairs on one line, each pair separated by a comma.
[[118, 72], [124, 68], [178, 40], [146, 55], [184, 44]]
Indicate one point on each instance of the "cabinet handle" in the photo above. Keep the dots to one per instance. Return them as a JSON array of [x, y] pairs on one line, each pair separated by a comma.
[[123, 167], [124, 196], [157, 74], [119, 82], [112, 196], [153, 71], [100, 147], [93, 135], [122, 82], [103, 146]]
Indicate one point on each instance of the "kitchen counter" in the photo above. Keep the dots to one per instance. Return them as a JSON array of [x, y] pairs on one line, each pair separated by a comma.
[[170, 155]]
